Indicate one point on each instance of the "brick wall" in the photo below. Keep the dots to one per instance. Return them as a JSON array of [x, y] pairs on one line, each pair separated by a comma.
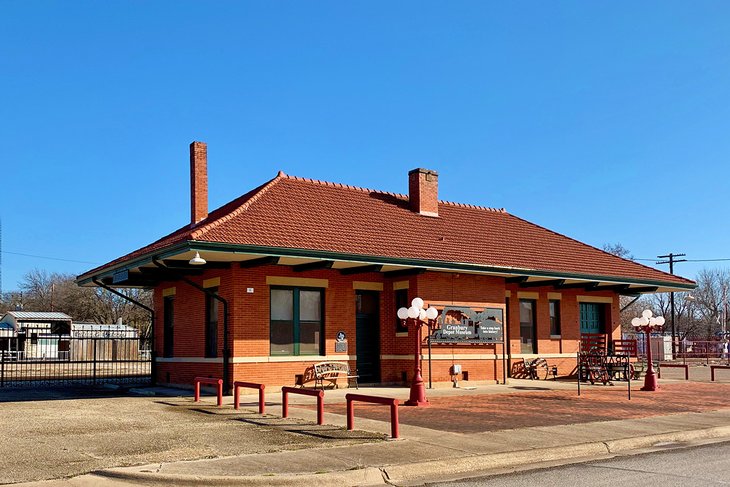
[[249, 325]]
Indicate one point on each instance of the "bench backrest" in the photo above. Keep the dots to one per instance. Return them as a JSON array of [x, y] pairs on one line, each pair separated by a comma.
[[593, 343], [331, 368], [625, 347]]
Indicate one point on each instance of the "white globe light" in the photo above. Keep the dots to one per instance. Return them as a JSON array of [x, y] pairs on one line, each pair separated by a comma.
[[652, 322], [422, 314], [413, 312], [660, 320], [647, 313], [417, 303], [644, 320], [432, 313], [634, 322], [403, 313]]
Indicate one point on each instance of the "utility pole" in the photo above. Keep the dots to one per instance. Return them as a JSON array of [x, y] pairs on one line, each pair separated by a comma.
[[723, 312], [671, 260]]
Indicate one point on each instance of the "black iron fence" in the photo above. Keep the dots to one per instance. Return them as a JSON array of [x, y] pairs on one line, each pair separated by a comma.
[[91, 358]]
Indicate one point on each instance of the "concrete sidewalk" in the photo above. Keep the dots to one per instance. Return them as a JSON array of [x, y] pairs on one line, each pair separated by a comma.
[[425, 454]]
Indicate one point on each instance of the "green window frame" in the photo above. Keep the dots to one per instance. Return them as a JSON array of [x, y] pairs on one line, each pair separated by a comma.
[[592, 318], [554, 305], [296, 317]]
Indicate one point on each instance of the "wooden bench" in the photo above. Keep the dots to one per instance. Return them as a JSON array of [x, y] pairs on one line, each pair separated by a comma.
[[712, 370], [330, 372]]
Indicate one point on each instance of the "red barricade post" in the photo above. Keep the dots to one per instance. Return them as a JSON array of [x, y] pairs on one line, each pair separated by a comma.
[[678, 366], [388, 401], [712, 370], [209, 380], [237, 385], [285, 391]]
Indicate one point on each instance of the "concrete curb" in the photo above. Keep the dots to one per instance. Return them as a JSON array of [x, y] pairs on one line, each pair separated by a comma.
[[408, 473], [365, 477], [639, 442], [481, 464]]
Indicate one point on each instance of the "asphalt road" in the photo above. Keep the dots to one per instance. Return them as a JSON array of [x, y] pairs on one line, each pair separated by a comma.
[[707, 465]]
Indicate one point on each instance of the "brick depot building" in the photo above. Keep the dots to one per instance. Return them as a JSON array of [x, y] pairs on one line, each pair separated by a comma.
[[299, 271]]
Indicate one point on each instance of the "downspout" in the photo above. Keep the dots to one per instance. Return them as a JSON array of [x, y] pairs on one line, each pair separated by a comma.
[[226, 352], [153, 358]]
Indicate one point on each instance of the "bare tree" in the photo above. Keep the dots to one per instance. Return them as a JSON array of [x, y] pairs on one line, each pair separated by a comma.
[[618, 250], [41, 291], [711, 283], [631, 306]]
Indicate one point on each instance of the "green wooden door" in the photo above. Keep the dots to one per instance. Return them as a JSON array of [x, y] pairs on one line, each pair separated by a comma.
[[591, 318]]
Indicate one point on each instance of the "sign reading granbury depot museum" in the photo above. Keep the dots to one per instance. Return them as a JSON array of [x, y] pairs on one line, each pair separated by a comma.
[[465, 325]]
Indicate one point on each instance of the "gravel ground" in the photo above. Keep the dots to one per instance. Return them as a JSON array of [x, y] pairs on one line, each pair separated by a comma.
[[62, 433]]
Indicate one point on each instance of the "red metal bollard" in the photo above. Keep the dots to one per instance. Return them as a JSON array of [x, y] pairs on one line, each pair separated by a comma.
[[237, 393], [388, 401], [208, 380], [285, 391]]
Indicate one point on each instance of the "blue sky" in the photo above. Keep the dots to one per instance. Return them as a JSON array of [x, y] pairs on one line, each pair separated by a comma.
[[605, 121]]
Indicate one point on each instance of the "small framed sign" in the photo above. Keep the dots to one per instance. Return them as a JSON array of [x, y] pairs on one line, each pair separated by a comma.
[[341, 342]]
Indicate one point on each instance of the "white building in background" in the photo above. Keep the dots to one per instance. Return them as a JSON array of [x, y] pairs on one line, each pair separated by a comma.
[[37, 334], [32, 335]]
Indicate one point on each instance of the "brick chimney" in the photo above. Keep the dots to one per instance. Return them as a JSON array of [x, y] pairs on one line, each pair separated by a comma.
[[198, 182], [423, 191]]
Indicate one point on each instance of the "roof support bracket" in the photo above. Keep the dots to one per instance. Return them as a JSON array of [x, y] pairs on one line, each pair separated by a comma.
[[360, 270], [551, 282], [247, 264], [405, 272], [322, 264]]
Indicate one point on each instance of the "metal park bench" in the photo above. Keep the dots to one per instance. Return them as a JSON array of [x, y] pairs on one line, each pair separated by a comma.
[[330, 372], [536, 367], [593, 367]]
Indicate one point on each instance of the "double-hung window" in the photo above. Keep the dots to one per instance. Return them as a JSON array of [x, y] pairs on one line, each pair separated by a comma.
[[211, 324], [554, 317], [528, 326], [296, 320], [168, 325]]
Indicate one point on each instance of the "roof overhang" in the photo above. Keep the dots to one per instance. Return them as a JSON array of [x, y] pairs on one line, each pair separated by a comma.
[[142, 272]]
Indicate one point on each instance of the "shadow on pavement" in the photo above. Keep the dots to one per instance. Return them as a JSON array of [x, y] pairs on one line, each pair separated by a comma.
[[60, 393]]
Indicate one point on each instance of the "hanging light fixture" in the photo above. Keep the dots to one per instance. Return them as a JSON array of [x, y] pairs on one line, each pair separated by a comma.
[[197, 260]]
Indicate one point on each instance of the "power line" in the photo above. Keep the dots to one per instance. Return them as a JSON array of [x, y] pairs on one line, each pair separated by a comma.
[[689, 260], [49, 258]]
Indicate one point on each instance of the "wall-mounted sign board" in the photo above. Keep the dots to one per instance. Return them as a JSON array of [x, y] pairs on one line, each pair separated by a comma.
[[459, 324]]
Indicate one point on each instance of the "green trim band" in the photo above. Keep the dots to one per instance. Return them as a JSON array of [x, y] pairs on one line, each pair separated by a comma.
[[367, 259]]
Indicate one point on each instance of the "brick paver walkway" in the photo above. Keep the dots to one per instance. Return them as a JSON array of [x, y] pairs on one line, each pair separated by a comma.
[[492, 412]]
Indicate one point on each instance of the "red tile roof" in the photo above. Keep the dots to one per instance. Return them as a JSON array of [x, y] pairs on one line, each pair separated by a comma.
[[292, 212]]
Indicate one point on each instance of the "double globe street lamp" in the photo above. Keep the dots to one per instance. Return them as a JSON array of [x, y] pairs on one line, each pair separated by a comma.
[[417, 317], [648, 323]]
